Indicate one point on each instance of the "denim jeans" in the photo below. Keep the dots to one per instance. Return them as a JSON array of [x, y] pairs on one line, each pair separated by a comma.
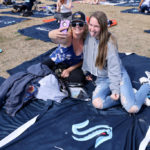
[[127, 96], [144, 7]]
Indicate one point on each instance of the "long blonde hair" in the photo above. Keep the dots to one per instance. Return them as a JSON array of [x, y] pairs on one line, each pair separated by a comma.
[[103, 38]]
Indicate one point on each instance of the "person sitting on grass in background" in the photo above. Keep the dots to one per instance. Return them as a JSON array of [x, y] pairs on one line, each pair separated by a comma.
[[95, 2], [8, 2], [144, 6], [26, 8], [101, 60], [69, 53], [63, 10]]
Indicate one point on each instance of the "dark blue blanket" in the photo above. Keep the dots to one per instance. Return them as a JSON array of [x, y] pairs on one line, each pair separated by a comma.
[[8, 123], [7, 21], [36, 14], [133, 11], [147, 31], [8, 6], [75, 125], [129, 3], [122, 3], [4, 6], [136, 66], [40, 32], [2, 80]]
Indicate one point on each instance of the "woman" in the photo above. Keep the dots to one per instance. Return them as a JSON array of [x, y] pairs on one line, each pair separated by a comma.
[[101, 60], [69, 53], [63, 9], [26, 8]]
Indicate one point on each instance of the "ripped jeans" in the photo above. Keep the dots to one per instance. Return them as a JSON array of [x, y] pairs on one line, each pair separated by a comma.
[[127, 96]]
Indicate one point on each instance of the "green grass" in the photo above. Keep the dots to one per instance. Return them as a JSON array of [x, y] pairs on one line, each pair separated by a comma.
[[29, 38], [17, 33]]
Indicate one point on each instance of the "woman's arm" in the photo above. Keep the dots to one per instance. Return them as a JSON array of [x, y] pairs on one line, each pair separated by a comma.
[[140, 4], [58, 6], [67, 71], [59, 37]]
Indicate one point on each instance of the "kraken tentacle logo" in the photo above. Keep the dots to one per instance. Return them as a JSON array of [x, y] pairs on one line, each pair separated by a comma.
[[103, 132]]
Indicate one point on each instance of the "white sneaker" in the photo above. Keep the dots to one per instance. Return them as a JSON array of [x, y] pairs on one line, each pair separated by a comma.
[[147, 102], [134, 90], [146, 11], [148, 76], [143, 80]]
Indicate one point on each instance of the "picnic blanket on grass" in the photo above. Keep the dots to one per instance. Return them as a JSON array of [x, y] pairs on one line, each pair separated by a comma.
[[2, 80], [75, 124], [40, 32], [122, 3], [7, 20], [36, 14], [4, 6], [147, 31], [9, 6], [134, 11]]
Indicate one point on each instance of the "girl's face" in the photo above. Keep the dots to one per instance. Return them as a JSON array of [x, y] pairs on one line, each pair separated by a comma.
[[78, 29], [94, 27]]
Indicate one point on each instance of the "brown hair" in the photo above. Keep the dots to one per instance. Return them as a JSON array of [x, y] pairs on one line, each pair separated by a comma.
[[103, 38]]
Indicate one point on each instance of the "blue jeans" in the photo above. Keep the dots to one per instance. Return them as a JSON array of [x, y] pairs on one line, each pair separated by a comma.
[[144, 7], [127, 96]]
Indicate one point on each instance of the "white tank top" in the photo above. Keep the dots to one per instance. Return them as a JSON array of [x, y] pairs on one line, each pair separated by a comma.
[[63, 9], [146, 2]]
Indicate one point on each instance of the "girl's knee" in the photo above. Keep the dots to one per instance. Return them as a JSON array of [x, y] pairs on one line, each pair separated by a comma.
[[97, 103]]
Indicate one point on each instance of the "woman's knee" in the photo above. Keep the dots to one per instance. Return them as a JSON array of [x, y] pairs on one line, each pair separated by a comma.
[[97, 103]]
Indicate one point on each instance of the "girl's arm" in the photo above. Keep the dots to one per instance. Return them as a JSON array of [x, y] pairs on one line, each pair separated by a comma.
[[114, 69], [67, 71]]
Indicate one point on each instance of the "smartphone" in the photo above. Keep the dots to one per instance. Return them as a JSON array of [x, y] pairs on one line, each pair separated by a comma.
[[64, 23]]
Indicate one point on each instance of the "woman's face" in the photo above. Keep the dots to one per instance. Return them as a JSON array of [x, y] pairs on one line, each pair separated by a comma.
[[94, 27], [78, 29]]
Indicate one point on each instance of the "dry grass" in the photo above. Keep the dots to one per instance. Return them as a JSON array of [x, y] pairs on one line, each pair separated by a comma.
[[129, 32]]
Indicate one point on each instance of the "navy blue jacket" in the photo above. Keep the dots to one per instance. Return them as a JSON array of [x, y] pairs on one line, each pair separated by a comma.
[[13, 89]]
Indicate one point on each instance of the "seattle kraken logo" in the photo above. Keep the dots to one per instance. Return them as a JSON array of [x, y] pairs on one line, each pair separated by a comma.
[[7, 22], [103, 132]]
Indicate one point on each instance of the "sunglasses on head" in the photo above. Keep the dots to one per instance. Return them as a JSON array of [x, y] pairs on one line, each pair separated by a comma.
[[80, 24]]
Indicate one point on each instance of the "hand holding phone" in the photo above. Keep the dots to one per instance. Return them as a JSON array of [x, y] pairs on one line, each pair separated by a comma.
[[64, 23]]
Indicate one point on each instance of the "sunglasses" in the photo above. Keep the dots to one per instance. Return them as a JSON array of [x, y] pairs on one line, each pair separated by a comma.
[[80, 24]]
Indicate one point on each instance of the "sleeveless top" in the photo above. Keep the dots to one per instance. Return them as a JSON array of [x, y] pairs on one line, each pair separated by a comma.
[[63, 9], [146, 2], [66, 55]]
